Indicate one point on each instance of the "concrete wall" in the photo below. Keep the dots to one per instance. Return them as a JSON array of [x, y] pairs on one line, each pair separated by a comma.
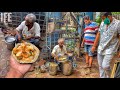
[[4, 57]]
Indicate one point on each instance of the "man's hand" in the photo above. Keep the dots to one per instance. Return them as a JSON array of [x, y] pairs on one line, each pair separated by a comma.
[[23, 68], [19, 37], [82, 45], [17, 70], [56, 57], [93, 49]]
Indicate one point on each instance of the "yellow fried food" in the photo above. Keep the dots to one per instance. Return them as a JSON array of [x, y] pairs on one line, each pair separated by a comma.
[[62, 58], [19, 49], [26, 59], [53, 64], [32, 53], [28, 48], [25, 55], [15, 50], [19, 57], [19, 54], [31, 57], [24, 52], [23, 46]]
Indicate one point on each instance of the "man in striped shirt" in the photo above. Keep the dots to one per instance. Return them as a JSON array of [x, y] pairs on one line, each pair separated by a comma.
[[90, 33]]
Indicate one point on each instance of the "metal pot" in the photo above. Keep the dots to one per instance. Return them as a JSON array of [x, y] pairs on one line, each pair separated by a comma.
[[43, 69], [53, 67], [67, 68], [10, 41]]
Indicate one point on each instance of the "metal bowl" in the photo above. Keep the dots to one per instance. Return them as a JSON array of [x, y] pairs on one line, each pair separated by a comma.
[[10, 41]]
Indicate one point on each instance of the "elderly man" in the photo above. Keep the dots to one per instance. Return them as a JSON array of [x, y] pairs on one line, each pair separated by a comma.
[[59, 50], [29, 30], [108, 38]]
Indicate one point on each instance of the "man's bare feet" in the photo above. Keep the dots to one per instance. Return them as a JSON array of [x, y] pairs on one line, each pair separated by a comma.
[[89, 66]]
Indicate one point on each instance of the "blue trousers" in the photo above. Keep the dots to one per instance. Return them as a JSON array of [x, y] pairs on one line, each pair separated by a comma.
[[32, 40]]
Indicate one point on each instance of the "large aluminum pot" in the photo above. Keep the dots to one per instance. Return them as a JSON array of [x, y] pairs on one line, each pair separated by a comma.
[[67, 68], [53, 67], [10, 41]]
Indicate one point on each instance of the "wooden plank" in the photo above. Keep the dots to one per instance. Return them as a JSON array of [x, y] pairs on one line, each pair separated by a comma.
[[114, 68]]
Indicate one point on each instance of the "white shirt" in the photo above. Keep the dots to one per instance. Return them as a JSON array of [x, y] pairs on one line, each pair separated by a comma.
[[109, 40], [57, 50], [34, 31]]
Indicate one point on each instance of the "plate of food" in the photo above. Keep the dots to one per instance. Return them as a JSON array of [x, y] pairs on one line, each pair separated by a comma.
[[62, 58], [25, 52]]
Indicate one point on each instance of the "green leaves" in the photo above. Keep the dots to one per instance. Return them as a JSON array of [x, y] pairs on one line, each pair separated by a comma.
[[98, 20], [115, 13], [70, 44]]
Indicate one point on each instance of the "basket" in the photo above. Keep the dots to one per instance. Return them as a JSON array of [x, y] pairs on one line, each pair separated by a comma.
[[35, 57]]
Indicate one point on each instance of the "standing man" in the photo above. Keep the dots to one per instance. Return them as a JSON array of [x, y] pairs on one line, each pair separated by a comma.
[[90, 33], [29, 30], [108, 38]]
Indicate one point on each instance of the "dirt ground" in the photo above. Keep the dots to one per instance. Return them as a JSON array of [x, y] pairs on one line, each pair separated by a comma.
[[78, 72]]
